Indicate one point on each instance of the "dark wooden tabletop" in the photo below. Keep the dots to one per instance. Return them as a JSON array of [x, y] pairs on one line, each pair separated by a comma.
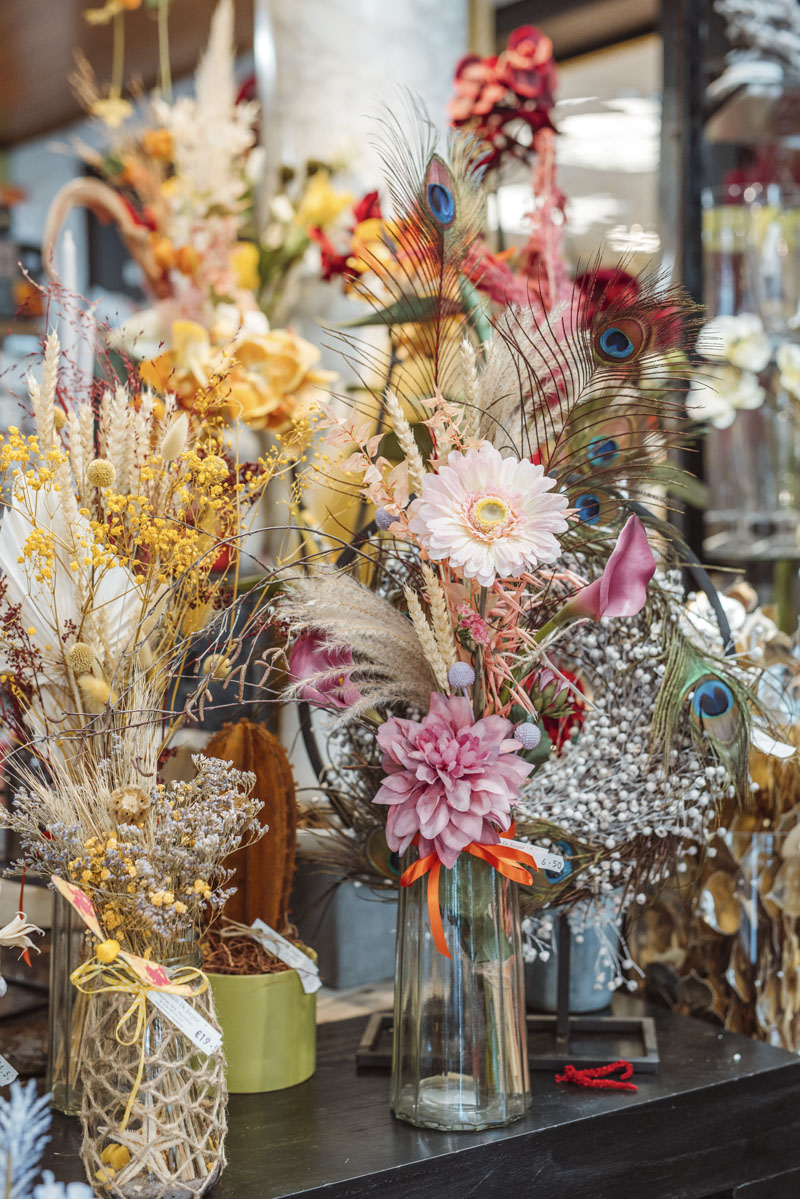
[[722, 1114]]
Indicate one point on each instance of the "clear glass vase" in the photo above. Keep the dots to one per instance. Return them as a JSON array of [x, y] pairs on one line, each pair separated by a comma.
[[460, 1058], [70, 947]]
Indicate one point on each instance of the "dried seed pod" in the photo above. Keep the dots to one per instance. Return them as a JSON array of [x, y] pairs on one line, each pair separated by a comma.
[[129, 804]]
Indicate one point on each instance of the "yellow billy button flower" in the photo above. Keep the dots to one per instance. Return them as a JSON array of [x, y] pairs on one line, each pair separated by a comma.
[[80, 658], [101, 473], [217, 666], [107, 952]]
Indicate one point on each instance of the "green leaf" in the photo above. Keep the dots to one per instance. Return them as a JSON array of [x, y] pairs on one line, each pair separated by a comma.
[[389, 446], [680, 484], [475, 308], [404, 312]]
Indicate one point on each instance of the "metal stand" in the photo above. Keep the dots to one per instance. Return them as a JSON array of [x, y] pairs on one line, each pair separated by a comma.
[[584, 1041], [587, 1041]]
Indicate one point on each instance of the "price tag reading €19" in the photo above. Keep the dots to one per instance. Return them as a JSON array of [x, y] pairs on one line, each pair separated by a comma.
[[7, 1072], [191, 1023]]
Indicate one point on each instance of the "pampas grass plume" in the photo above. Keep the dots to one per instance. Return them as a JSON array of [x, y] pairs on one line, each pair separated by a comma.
[[175, 438]]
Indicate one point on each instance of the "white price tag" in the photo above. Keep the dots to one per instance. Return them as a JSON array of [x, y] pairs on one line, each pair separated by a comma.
[[191, 1023], [545, 859], [7, 1072], [273, 942]]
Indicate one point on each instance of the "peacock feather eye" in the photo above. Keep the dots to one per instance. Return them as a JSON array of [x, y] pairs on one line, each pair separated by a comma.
[[380, 857], [712, 698], [441, 203], [615, 343], [620, 341], [588, 507], [557, 876], [439, 194], [602, 451]]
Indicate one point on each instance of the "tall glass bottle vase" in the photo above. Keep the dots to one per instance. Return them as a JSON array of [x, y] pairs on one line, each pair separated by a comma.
[[70, 946], [460, 1057]]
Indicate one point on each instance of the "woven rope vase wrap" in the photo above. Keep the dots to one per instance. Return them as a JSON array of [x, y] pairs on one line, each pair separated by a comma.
[[175, 1135]]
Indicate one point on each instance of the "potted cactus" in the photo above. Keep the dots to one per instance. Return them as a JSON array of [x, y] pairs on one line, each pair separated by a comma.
[[263, 980]]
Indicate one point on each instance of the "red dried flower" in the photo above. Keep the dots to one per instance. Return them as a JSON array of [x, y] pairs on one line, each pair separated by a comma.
[[526, 65], [506, 99], [560, 728], [368, 208], [333, 263]]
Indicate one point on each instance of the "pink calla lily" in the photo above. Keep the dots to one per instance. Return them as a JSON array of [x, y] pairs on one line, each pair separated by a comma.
[[621, 590]]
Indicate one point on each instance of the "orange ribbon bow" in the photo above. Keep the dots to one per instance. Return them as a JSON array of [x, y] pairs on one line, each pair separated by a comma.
[[503, 858]]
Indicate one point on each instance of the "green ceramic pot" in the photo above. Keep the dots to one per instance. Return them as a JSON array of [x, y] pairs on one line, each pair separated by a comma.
[[269, 1031]]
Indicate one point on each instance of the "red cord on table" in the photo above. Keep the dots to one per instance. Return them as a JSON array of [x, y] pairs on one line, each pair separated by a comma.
[[598, 1076]]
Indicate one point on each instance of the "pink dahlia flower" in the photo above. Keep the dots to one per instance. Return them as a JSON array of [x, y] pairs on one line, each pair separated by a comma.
[[449, 778], [327, 670], [492, 517]]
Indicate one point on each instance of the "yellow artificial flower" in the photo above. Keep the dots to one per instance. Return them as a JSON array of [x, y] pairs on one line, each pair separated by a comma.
[[113, 111], [188, 366], [369, 250], [275, 382], [320, 203], [268, 380], [244, 264]]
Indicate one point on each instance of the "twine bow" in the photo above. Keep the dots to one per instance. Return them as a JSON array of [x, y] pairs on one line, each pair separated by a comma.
[[120, 977], [503, 858]]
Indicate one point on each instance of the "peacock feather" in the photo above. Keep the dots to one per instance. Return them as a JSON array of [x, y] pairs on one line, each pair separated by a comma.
[[718, 705], [594, 393], [417, 275]]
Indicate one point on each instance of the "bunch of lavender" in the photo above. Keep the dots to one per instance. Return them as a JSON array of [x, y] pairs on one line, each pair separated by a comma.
[[24, 1127], [152, 859]]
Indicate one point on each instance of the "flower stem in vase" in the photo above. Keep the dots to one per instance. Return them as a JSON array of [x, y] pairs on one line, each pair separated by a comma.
[[460, 1053], [479, 692]]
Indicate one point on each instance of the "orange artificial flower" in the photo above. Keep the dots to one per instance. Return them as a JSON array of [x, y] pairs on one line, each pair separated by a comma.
[[163, 251], [157, 143], [187, 260]]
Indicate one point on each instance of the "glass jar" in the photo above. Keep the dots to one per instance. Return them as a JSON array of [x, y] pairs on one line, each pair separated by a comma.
[[70, 946], [751, 261], [172, 1143], [460, 1058]]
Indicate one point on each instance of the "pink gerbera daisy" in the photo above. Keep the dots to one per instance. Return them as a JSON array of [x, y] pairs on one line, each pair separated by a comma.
[[492, 517]]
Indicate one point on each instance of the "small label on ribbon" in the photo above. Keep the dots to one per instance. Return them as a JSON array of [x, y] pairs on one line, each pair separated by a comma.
[[545, 859], [273, 942], [7, 1072], [190, 1022]]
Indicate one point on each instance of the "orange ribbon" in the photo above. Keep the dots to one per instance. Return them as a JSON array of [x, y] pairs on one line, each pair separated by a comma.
[[502, 858]]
